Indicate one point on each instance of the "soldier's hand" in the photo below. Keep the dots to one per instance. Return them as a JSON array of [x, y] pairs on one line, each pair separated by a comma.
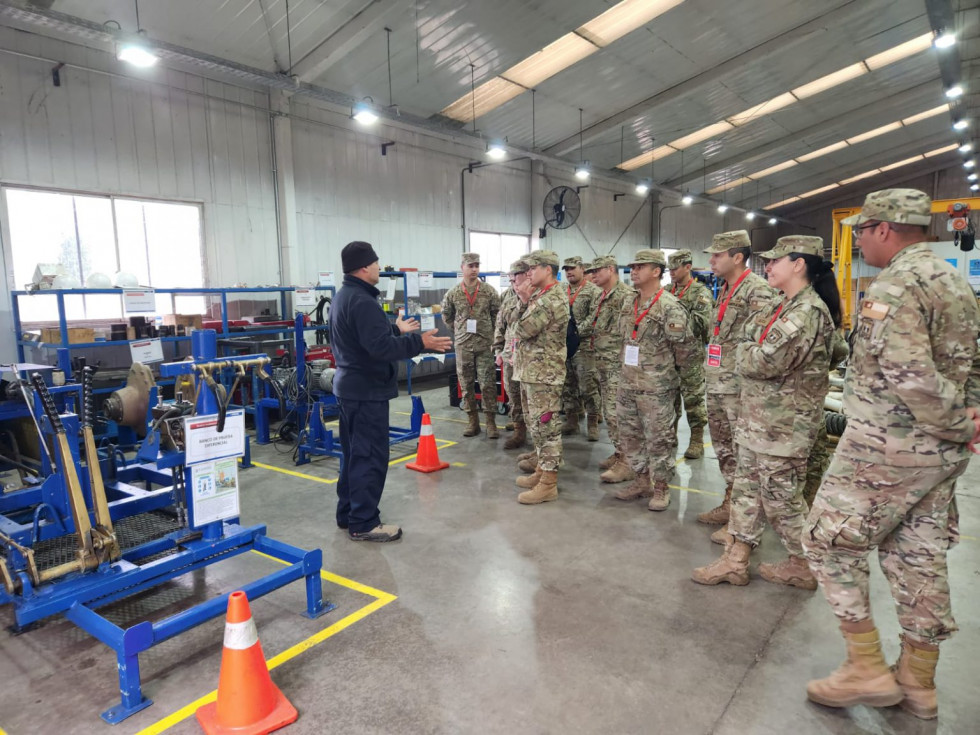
[[524, 290], [974, 415], [435, 343], [406, 325]]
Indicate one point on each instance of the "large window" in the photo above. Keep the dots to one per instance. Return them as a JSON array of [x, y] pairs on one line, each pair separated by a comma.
[[498, 251], [158, 242]]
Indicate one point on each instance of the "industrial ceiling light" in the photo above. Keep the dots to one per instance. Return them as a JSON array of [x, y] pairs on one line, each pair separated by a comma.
[[969, 164], [961, 125], [954, 92], [722, 208], [642, 188], [773, 221], [966, 148], [496, 151], [137, 54], [364, 115], [971, 177], [944, 40], [975, 187], [687, 200], [750, 215], [582, 171]]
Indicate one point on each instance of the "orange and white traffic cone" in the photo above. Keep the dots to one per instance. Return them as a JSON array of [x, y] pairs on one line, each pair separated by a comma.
[[428, 455], [248, 702]]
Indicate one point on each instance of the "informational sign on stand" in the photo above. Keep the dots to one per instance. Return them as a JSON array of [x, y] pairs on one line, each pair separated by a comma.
[[146, 351], [974, 276], [214, 487], [412, 284], [326, 278], [459, 275], [504, 280], [392, 286], [428, 322], [139, 300], [304, 298], [203, 442], [426, 280]]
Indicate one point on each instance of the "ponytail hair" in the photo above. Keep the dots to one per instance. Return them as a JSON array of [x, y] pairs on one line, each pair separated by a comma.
[[820, 273]]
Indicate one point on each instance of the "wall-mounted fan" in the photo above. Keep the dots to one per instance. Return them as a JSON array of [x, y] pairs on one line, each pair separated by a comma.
[[562, 207]]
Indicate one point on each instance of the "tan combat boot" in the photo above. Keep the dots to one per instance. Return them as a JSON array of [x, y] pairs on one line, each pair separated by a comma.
[[473, 427], [492, 431], [527, 455], [732, 567], [718, 516], [864, 678], [695, 447], [661, 496], [794, 572], [571, 424], [721, 536], [529, 481], [609, 461], [544, 491], [509, 426], [518, 438], [528, 465], [915, 673], [593, 427], [619, 472], [639, 488]]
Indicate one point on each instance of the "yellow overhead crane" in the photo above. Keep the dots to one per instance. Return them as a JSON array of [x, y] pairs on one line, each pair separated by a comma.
[[842, 250]]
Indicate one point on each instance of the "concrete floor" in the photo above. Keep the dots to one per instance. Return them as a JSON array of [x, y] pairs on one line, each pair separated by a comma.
[[574, 617]]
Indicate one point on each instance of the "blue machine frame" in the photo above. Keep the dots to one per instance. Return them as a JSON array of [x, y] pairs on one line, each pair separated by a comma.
[[79, 595]]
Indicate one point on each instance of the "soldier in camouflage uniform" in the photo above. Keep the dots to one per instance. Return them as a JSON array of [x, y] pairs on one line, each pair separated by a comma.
[[540, 368], [782, 365], [819, 459], [581, 383], [742, 298], [696, 299], [911, 394], [469, 311], [504, 343], [657, 345], [601, 331]]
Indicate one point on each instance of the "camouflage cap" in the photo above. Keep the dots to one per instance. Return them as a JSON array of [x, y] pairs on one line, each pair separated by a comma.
[[901, 206], [679, 257], [542, 257], [588, 266], [519, 266], [573, 262], [801, 244], [603, 261], [726, 241], [654, 257], [469, 258]]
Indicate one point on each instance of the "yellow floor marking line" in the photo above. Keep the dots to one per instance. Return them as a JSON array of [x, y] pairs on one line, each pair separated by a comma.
[[437, 418], [441, 443], [381, 599], [695, 490]]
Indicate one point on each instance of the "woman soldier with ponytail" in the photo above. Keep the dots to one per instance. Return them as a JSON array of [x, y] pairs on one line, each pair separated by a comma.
[[782, 364]]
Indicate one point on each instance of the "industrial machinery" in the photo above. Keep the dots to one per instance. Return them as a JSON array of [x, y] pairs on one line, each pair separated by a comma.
[[96, 527]]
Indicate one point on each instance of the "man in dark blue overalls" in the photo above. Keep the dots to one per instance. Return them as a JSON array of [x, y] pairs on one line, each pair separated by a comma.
[[366, 347]]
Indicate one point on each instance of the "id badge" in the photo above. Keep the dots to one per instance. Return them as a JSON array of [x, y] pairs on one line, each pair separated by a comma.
[[632, 355], [714, 355], [471, 326]]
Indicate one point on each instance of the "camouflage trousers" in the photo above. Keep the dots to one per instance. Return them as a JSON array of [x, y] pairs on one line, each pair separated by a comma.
[[722, 417], [692, 393], [768, 488], [817, 463], [474, 365], [581, 389], [646, 422], [608, 388], [909, 514], [542, 404], [514, 397]]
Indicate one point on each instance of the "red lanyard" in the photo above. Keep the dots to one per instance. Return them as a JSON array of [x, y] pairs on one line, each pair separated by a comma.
[[636, 308], [475, 294], [771, 322], [572, 297], [724, 304], [674, 289]]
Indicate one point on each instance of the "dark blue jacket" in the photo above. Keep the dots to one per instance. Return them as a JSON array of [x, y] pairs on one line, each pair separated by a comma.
[[365, 344]]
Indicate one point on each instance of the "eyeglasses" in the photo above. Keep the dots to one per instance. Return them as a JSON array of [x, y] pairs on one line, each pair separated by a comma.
[[857, 229]]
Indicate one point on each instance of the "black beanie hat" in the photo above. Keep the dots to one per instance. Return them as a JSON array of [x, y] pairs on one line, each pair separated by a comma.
[[356, 255]]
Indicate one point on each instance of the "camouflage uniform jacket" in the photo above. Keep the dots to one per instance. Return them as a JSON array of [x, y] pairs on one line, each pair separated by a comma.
[[839, 349], [914, 365], [503, 335], [582, 301], [784, 379], [600, 330], [751, 298], [696, 299], [456, 310], [540, 332], [665, 341]]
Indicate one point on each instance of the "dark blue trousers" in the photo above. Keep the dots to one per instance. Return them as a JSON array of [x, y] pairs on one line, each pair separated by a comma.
[[364, 442]]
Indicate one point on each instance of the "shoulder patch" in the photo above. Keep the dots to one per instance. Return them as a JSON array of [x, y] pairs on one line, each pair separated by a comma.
[[874, 310]]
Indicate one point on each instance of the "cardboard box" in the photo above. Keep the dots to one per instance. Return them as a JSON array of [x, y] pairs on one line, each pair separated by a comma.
[[76, 335], [183, 320]]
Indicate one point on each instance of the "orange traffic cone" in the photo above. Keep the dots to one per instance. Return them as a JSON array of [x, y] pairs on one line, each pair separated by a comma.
[[428, 455], [248, 702]]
